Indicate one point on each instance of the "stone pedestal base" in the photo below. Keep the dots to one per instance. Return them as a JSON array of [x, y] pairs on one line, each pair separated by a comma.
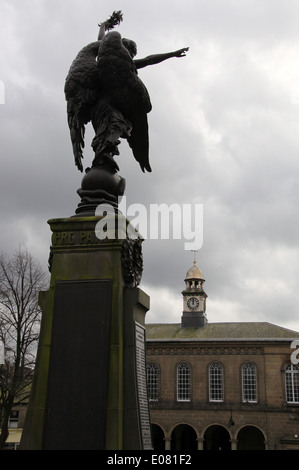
[[89, 390], [100, 186]]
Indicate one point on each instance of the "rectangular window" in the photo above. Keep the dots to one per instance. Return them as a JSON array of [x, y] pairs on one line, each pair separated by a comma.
[[13, 420], [292, 384], [249, 383], [216, 382], [183, 382], [152, 381]]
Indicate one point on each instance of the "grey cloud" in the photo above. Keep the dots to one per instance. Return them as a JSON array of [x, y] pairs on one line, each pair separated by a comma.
[[223, 132]]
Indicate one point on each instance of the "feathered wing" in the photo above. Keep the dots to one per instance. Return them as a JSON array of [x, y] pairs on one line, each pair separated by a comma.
[[125, 91], [81, 91], [139, 140]]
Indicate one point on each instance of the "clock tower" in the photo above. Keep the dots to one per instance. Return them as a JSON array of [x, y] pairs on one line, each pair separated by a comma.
[[194, 299]]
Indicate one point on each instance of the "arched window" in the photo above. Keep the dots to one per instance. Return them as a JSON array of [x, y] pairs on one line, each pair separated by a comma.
[[216, 382], [152, 375], [183, 382], [292, 383], [249, 383]]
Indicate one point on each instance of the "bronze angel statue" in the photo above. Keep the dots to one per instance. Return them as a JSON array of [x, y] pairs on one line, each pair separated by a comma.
[[103, 87]]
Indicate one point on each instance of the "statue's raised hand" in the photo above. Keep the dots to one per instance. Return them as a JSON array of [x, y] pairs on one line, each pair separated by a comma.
[[181, 52]]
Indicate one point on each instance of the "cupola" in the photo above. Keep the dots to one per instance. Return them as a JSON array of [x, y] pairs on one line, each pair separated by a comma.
[[194, 299]]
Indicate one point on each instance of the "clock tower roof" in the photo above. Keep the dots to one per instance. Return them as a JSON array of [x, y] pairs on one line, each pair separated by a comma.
[[194, 273]]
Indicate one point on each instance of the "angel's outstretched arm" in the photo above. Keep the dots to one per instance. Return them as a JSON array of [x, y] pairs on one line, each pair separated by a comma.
[[157, 58]]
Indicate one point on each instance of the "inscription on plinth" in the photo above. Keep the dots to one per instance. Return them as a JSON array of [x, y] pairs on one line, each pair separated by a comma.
[[75, 238], [76, 406]]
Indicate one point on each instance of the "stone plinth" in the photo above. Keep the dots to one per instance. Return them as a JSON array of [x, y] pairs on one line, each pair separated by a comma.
[[89, 389]]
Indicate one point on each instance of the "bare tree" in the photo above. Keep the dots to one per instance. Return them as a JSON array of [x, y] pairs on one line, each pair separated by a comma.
[[21, 280]]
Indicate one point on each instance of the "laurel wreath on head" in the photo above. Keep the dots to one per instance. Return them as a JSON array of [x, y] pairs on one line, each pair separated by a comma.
[[114, 20]]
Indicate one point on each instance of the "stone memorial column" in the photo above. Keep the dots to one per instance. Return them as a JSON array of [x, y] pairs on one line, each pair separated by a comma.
[[89, 389]]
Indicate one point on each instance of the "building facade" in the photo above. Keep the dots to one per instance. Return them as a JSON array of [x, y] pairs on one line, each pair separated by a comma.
[[221, 386], [15, 425]]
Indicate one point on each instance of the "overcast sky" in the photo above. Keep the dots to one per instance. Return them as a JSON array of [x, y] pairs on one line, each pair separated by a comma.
[[224, 133]]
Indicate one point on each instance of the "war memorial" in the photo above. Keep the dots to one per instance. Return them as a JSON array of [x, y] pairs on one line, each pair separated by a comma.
[[89, 390]]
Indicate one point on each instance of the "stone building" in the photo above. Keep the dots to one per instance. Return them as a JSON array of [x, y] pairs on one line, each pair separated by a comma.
[[221, 386], [15, 425]]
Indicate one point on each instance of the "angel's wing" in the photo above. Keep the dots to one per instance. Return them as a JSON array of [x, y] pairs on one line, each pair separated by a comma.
[[81, 90]]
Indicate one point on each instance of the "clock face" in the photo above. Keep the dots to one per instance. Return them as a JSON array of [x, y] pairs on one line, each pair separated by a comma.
[[193, 303]]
